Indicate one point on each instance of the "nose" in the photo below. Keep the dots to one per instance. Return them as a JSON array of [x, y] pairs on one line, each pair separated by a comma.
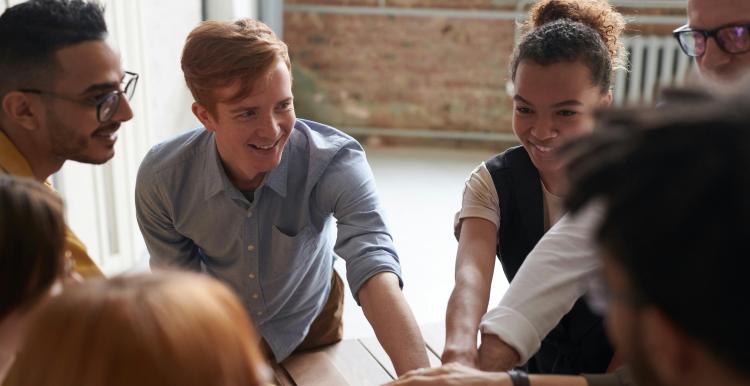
[[269, 127], [713, 58], [544, 129], [124, 112]]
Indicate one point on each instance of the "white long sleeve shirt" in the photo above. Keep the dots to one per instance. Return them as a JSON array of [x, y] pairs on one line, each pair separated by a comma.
[[555, 274]]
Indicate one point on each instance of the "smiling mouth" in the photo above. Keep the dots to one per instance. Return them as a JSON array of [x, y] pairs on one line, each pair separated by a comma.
[[109, 133], [262, 147], [541, 148]]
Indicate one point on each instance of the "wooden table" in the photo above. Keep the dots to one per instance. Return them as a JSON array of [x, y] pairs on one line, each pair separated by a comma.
[[352, 362]]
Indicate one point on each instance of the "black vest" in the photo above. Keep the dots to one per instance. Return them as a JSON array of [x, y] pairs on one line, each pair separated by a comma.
[[578, 344]]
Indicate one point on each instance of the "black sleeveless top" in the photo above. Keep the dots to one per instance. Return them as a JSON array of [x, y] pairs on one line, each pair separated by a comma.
[[578, 344]]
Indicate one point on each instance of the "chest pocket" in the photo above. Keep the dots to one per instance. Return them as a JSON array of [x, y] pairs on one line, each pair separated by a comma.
[[290, 252]]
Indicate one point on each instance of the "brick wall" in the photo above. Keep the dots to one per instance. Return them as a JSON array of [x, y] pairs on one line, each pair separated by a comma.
[[444, 70]]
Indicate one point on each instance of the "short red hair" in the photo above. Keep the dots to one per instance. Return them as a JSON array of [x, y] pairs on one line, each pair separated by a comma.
[[219, 53]]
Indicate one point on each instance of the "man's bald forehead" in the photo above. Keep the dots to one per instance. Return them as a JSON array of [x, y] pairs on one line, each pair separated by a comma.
[[709, 14]]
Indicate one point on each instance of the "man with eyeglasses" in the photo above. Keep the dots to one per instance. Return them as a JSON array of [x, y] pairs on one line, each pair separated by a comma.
[[63, 94], [671, 184], [559, 269], [718, 37]]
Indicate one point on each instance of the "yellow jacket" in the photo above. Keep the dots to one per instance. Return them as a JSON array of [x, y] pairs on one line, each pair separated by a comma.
[[12, 162]]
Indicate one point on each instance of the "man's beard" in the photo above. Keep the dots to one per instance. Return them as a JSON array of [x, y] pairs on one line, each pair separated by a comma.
[[69, 144]]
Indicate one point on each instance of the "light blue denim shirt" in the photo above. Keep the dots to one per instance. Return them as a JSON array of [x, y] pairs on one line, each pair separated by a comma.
[[277, 252]]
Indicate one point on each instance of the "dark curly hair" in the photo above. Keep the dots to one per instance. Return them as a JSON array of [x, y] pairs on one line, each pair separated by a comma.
[[569, 30]]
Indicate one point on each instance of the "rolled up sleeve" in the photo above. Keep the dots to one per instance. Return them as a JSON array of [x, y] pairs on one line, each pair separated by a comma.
[[554, 275], [348, 190]]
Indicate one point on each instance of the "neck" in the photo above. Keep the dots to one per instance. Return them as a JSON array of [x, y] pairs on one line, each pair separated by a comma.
[[11, 331], [43, 164], [243, 179], [555, 182]]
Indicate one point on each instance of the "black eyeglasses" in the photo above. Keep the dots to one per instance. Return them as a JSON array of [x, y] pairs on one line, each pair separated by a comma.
[[732, 39], [106, 105]]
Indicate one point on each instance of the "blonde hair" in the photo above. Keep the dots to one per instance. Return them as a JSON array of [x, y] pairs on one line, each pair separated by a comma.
[[218, 53], [151, 329]]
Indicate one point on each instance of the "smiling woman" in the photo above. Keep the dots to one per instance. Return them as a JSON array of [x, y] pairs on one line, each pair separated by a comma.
[[562, 71]]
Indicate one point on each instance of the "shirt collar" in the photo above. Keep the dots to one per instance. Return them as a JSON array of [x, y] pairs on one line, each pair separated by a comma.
[[277, 178], [11, 160], [217, 181], [213, 176]]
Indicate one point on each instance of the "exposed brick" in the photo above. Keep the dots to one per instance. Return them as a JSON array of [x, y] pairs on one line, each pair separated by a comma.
[[334, 2], [424, 73], [454, 4], [401, 72]]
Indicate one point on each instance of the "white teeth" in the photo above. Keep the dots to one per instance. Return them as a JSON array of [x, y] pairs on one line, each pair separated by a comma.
[[543, 149], [111, 136], [268, 147]]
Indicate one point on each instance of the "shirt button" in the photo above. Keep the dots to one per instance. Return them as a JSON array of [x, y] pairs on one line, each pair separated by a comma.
[[259, 313], [252, 276], [250, 247], [255, 296], [249, 213]]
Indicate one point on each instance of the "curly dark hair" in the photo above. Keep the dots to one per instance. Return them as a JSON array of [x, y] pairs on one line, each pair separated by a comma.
[[570, 30]]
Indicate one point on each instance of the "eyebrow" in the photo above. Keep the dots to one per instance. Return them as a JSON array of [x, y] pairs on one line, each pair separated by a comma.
[[248, 108], [242, 108], [104, 86], [521, 99], [101, 87], [569, 102]]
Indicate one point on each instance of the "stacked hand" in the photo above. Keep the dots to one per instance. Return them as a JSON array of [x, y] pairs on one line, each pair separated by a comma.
[[452, 374]]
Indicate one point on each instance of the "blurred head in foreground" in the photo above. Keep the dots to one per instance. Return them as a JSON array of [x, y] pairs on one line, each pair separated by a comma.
[[165, 328]]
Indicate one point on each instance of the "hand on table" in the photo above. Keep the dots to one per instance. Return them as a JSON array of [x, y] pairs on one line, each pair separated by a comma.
[[450, 375]]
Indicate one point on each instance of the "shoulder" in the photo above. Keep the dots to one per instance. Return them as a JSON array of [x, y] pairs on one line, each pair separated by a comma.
[[326, 146], [480, 176], [174, 153], [323, 138], [508, 158]]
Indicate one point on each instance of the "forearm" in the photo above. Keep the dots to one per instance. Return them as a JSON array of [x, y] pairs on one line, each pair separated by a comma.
[[475, 262], [551, 279], [467, 304], [391, 318], [497, 355]]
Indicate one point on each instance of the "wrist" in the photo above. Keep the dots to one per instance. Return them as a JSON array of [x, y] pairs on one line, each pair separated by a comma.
[[519, 377]]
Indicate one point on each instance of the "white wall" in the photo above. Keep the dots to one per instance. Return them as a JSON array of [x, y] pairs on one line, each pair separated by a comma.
[[149, 36], [231, 9]]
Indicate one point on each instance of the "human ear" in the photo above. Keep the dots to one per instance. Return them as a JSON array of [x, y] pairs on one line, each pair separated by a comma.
[[607, 99], [204, 116], [20, 109]]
